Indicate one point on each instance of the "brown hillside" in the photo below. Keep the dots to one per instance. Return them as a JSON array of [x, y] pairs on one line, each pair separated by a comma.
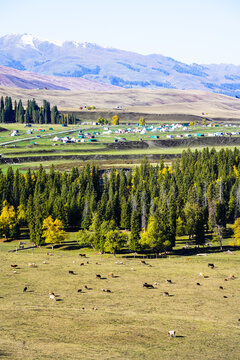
[[13, 78], [166, 101]]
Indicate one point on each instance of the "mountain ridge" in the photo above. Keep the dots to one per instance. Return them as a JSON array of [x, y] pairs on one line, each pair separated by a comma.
[[115, 67]]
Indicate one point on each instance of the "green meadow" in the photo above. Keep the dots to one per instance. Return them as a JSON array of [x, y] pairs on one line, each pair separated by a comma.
[[39, 144]]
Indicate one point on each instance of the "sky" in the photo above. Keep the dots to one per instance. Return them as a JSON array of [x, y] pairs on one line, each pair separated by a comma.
[[192, 31]]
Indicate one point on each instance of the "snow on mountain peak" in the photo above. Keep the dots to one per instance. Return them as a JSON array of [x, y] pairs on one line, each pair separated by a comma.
[[27, 39], [32, 41]]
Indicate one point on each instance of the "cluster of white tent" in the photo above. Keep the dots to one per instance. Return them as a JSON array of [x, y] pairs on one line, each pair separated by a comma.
[[66, 139]]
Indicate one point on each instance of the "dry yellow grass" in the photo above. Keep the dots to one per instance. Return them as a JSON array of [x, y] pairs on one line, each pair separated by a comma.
[[165, 101], [131, 322]]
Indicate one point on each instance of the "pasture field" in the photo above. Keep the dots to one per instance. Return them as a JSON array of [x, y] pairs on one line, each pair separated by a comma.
[[131, 322]]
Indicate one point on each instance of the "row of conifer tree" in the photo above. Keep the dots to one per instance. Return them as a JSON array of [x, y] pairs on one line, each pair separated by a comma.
[[11, 113], [198, 194]]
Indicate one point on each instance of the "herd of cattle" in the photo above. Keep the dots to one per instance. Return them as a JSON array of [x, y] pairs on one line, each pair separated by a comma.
[[54, 297]]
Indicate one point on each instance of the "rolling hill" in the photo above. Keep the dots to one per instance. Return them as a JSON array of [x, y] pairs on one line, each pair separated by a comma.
[[13, 78], [115, 67], [164, 101]]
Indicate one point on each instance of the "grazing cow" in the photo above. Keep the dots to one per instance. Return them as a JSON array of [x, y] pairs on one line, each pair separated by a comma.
[[109, 291], [225, 296], [165, 293], [98, 276], [32, 265], [211, 266], [148, 286], [86, 287], [14, 266], [231, 277], [82, 255], [71, 272], [21, 245], [169, 281], [81, 264], [79, 290], [94, 308], [51, 293], [25, 289], [52, 297], [202, 274], [220, 287], [198, 284], [103, 290], [111, 274], [225, 279], [143, 262], [172, 333]]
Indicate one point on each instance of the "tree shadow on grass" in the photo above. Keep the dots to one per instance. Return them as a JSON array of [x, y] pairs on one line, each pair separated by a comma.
[[205, 250], [66, 245], [5, 355]]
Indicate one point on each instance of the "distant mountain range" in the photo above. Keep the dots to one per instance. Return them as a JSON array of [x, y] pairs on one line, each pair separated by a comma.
[[114, 67]]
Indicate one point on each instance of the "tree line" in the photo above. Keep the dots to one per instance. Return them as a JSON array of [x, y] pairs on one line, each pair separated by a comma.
[[143, 208], [11, 113]]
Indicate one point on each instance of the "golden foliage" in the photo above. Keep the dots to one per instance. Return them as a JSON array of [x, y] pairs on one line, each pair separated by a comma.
[[7, 217], [53, 230], [235, 170], [115, 120], [236, 229]]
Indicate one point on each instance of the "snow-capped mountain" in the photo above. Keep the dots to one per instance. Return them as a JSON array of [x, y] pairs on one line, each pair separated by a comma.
[[112, 66]]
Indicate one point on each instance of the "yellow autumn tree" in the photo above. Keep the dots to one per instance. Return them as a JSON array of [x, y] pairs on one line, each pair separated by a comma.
[[7, 219], [142, 121], [115, 120], [21, 214], [53, 231], [236, 229]]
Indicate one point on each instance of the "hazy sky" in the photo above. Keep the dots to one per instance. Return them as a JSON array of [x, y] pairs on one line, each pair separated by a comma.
[[201, 31]]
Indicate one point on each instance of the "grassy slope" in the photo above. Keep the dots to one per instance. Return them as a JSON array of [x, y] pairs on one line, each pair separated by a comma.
[[131, 322], [164, 101]]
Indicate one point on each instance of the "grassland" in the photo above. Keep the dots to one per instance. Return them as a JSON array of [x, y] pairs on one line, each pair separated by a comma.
[[38, 147], [131, 322], [164, 101], [32, 149]]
